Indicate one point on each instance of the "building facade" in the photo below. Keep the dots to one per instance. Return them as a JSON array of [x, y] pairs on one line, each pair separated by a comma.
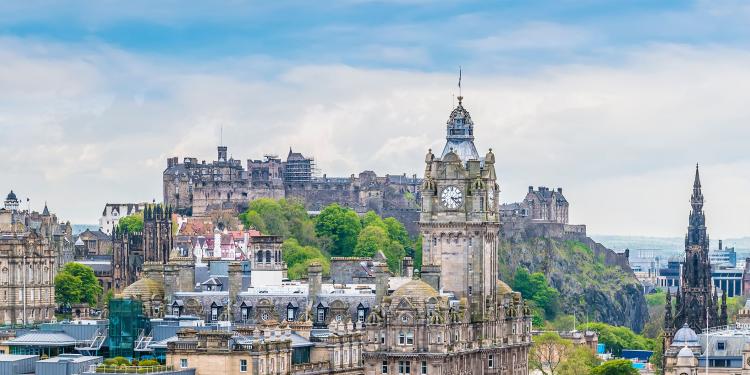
[[32, 245], [459, 318], [199, 188]]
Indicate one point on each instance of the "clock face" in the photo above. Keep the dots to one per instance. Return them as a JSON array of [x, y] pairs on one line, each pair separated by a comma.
[[452, 197]]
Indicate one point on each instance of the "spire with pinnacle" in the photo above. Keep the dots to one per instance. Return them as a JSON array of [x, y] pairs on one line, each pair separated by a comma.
[[697, 223]]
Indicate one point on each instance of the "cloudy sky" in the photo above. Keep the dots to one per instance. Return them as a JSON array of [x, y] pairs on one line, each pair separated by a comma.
[[615, 102]]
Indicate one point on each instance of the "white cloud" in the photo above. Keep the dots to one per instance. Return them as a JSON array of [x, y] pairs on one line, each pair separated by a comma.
[[621, 140]]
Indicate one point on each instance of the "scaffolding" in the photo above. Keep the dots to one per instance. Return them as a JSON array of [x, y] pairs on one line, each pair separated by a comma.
[[298, 168]]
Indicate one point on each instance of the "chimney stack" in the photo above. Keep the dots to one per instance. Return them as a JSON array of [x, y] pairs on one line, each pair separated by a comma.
[[407, 267], [315, 279], [381, 281], [235, 286]]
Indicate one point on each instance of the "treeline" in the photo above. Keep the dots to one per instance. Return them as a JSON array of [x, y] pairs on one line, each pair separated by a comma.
[[336, 231]]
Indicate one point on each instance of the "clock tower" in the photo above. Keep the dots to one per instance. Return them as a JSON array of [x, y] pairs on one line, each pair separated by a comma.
[[459, 221]]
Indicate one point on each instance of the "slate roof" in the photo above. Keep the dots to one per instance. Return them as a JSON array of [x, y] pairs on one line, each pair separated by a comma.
[[42, 338]]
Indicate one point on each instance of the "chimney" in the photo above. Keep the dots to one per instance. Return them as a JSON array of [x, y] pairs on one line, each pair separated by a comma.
[[559, 190], [315, 279], [235, 286], [719, 245], [381, 281], [407, 267], [531, 189]]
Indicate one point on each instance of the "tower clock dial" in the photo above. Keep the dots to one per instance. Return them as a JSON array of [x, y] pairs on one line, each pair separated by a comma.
[[452, 197]]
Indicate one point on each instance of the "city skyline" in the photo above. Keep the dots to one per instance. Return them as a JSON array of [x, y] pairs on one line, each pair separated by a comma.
[[97, 99]]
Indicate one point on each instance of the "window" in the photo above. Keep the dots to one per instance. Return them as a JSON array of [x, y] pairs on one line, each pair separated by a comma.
[[183, 363], [491, 361], [424, 367], [401, 338], [214, 314], [361, 315], [720, 345], [382, 338], [243, 365], [244, 313], [321, 315], [410, 338], [404, 367], [290, 314], [384, 367], [264, 316], [338, 318], [176, 311]]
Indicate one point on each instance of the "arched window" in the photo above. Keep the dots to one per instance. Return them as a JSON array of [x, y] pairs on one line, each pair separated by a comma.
[[259, 257], [268, 256]]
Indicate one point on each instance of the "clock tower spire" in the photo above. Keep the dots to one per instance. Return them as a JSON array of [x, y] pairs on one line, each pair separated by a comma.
[[459, 221]]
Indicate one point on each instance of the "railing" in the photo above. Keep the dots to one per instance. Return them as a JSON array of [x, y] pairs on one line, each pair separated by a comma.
[[104, 369]]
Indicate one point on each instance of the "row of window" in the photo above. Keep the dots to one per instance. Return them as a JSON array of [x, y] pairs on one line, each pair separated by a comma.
[[404, 367], [243, 365]]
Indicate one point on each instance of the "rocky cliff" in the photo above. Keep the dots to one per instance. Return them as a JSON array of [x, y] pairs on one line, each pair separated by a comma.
[[592, 280]]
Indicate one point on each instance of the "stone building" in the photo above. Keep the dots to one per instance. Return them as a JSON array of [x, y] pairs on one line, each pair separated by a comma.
[[475, 324], [113, 212], [542, 213], [32, 245], [131, 250], [696, 300], [197, 189]]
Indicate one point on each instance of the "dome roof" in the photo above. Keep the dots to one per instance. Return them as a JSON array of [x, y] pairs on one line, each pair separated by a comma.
[[415, 289], [685, 352], [11, 196], [146, 288], [685, 337], [503, 288]]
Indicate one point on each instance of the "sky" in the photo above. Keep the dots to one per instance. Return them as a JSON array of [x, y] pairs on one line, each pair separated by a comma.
[[614, 101]]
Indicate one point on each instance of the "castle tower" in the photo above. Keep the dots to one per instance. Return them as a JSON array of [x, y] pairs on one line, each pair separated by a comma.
[[11, 202], [697, 303], [459, 223]]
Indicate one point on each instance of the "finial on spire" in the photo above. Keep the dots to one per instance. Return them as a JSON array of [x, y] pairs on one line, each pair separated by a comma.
[[460, 95], [697, 182]]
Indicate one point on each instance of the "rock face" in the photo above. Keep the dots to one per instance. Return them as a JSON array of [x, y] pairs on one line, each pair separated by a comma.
[[592, 280]]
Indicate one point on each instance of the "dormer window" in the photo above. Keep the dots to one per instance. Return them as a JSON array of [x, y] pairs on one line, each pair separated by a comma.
[[289, 314], [362, 309], [244, 312], [321, 315]]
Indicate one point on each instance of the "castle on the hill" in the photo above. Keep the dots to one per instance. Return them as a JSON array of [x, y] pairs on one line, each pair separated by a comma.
[[196, 188], [543, 212]]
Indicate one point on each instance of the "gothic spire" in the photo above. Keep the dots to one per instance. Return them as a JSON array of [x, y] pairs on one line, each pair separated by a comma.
[[668, 311], [696, 234], [696, 200]]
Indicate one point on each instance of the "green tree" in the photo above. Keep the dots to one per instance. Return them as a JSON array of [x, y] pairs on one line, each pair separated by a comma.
[[418, 253], [67, 289], [371, 218], [298, 257], [580, 360], [272, 214], [615, 367], [90, 290], [394, 253], [131, 223], [534, 287], [341, 226], [371, 240], [252, 219], [547, 352], [397, 232], [615, 339]]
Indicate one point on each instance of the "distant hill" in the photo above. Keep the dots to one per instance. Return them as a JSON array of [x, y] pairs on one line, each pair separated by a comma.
[[669, 245]]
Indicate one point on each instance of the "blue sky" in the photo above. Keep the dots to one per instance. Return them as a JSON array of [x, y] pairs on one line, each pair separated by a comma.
[[614, 101]]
